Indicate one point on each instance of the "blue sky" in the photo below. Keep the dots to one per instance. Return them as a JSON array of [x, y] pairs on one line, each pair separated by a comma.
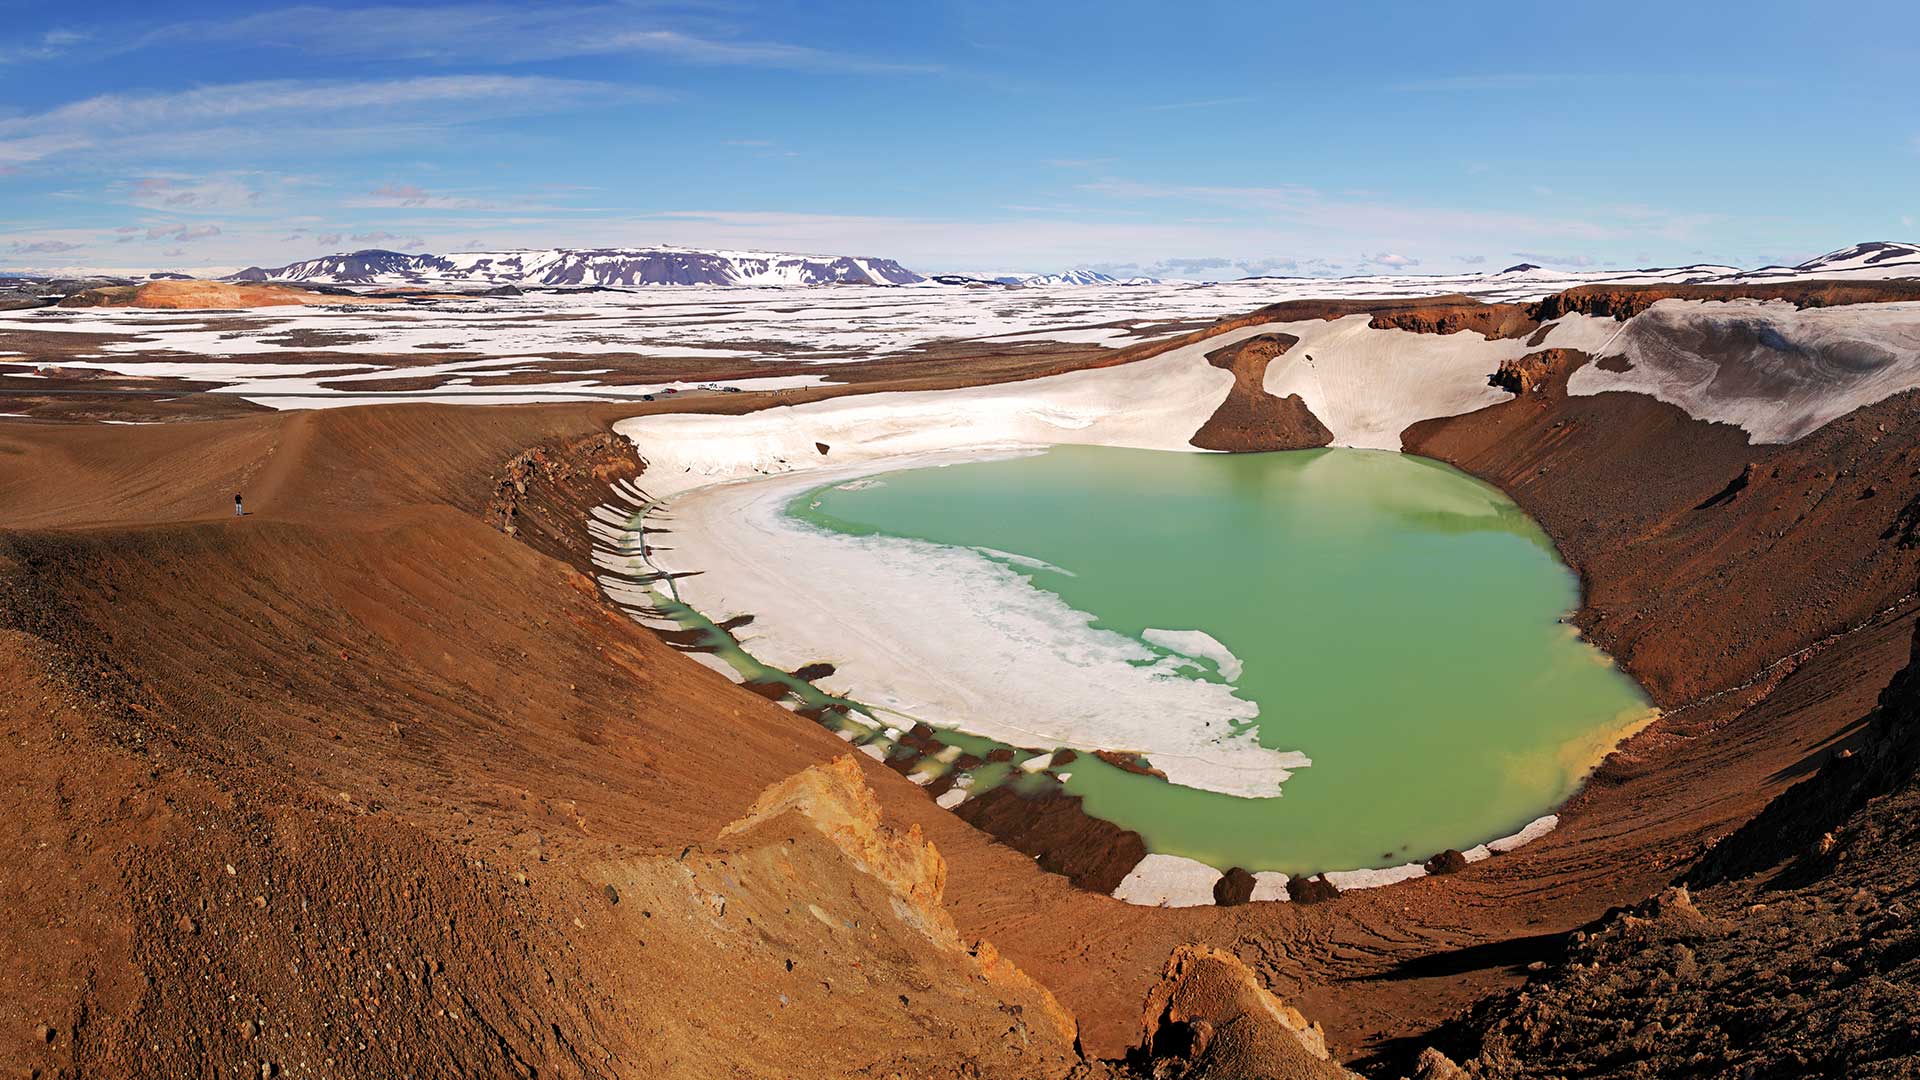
[[1186, 139]]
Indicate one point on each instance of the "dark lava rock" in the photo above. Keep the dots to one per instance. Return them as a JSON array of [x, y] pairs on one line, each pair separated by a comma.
[[1234, 888], [1447, 862], [1311, 890]]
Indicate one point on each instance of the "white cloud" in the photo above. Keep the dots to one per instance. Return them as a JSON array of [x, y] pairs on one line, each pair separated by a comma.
[[1390, 260]]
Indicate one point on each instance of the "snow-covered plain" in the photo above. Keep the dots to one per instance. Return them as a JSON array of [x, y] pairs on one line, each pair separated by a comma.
[[840, 324]]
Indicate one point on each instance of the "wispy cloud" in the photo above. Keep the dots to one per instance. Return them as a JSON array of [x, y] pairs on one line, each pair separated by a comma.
[[415, 197], [1554, 260], [1389, 260], [34, 147], [178, 192], [776, 54], [279, 116], [48, 46], [183, 233], [43, 247], [213, 104], [497, 34]]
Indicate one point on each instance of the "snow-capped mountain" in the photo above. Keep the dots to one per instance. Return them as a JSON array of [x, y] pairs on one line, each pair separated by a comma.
[[1078, 276], [587, 267], [1874, 260], [690, 266], [1691, 274]]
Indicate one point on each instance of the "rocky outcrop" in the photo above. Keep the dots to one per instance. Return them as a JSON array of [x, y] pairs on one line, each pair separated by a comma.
[[1425, 315], [1234, 887], [1533, 371], [542, 495], [835, 800], [1208, 1016], [1626, 301], [1250, 419], [1311, 890]]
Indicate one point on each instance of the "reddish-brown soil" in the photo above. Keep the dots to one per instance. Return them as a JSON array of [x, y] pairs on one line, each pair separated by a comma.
[[426, 747]]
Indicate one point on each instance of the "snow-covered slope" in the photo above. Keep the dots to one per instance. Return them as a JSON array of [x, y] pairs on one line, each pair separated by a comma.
[[1874, 260], [588, 267]]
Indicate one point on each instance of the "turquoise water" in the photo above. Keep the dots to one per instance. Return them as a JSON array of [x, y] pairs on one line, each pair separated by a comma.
[[1398, 621]]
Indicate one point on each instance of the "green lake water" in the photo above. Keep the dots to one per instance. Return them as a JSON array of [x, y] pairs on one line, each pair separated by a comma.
[[1398, 621]]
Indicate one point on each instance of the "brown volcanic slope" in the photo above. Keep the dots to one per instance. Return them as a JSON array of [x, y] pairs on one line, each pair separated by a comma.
[[201, 295], [348, 780]]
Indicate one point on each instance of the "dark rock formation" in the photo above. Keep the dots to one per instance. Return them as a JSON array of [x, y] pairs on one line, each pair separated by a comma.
[[1311, 890], [1235, 887], [1250, 419], [1052, 827]]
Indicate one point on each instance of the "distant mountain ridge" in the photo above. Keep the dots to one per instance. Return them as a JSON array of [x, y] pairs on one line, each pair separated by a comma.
[[587, 267], [1077, 276], [631, 267], [1875, 259]]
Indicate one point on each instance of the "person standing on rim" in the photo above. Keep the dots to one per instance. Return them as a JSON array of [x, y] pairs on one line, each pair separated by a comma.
[[237, 512]]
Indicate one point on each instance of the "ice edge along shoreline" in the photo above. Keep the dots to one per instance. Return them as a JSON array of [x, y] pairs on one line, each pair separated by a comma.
[[1159, 879]]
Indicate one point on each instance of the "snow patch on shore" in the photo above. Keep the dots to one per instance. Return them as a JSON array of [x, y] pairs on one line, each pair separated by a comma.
[[1168, 881], [956, 639]]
